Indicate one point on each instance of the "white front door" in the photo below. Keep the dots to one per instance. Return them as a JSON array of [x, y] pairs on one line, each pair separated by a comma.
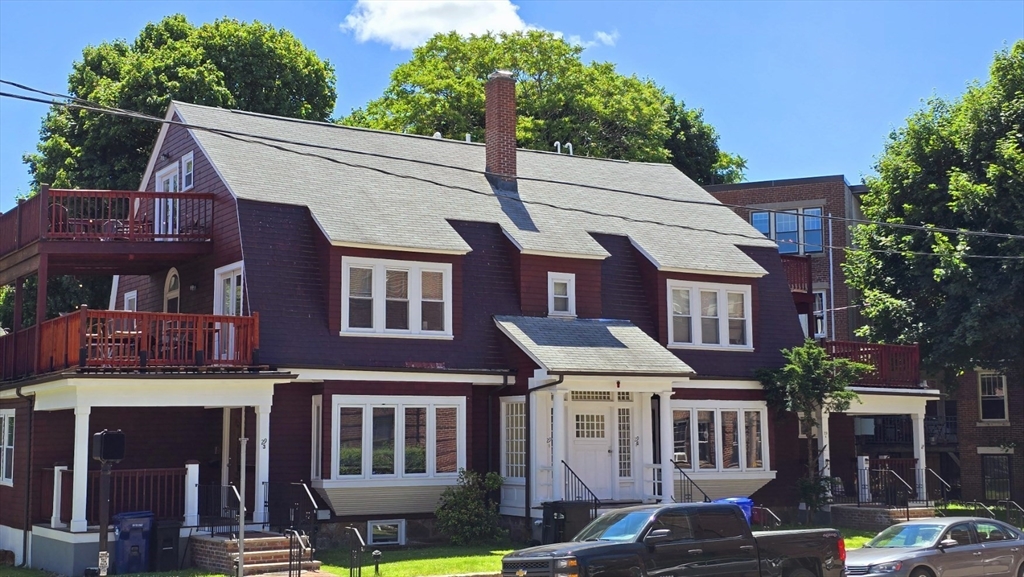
[[591, 434], [227, 301]]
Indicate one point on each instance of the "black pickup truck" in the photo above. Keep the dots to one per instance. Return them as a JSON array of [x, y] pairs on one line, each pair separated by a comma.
[[682, 540]]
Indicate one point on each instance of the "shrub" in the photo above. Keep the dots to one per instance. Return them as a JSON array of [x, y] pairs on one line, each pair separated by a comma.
[[467, 514]]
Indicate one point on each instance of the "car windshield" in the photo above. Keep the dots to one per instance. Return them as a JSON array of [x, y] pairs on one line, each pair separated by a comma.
[[899, 536], [615, 526]]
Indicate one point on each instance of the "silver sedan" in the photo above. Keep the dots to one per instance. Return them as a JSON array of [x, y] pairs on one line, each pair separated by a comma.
[[942, 547]]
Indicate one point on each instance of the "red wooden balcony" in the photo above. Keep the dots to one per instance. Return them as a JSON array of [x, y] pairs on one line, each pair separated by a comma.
[[798, 272], [98, 340], [894, 365], [97, 232]]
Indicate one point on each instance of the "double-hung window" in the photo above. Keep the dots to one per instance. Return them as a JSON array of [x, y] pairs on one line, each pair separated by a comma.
[[797, 231], [6, 446], [561, 294], [992, 394], [709, 315], [396, 298], [726, 436], [187, 171], [396, 437], [820, 326]]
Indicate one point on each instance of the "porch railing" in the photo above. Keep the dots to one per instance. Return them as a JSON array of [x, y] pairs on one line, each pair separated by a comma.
[[135, 340], [292, 505], [687, 485], [798, 272], [893, 365], [161, 491], [218, 507], [941, 430], [577, 490], [18, 353]]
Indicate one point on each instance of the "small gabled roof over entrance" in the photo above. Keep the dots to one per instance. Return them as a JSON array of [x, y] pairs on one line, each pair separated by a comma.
[[591, 347]]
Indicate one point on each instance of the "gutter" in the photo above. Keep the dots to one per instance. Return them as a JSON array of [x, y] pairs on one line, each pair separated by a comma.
[[529, 444], [28, 482]]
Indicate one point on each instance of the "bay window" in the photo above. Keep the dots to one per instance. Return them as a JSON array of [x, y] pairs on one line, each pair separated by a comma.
[[725, 315], [396, 298], [398, 437], [729, 435]]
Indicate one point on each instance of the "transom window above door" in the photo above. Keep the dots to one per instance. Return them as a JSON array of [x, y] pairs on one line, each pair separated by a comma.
[[396, 298]]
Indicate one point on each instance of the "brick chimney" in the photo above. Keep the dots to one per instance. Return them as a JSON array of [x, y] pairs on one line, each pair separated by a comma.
[[500, 125]]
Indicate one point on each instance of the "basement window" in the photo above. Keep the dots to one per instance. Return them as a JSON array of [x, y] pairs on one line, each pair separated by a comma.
[[390, 532]]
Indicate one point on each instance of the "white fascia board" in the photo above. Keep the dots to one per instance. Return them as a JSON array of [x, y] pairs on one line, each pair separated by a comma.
[[929, 393], [144, 392], [368, 246], [730, 385], [155, 153], [320, 375], [209, 159]]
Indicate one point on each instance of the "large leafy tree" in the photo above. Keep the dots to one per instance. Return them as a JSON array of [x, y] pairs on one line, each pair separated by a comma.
[[959, 165], [247, 66], [559, 99]]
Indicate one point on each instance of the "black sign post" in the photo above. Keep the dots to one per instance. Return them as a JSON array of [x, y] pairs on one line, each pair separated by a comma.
[[107, 448]]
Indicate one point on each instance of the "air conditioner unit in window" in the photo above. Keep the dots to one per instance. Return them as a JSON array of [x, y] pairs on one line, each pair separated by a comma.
[[680, 458]]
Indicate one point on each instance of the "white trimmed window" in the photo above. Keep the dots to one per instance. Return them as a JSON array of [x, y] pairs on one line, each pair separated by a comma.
[[187, 171], [6, 446], [992, 397], [709, 315], [131, 301], [561, 294], [820, 326], [797, 231], [513, 430], [396, 298], [398, 437], [720, 435], [390, 532]]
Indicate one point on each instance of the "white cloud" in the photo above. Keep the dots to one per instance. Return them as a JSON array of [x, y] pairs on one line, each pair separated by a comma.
[[404, 25]]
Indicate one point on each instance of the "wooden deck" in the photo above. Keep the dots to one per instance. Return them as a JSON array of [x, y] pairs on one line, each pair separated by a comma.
[[894, 365]]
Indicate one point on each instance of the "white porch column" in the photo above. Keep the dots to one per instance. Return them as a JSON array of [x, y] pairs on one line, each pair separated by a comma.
[[81, 470], [668, 478], [259, 514], [646, 456], [192, 494], [558, 435], [58, 477], [917, 420], [824, 448]]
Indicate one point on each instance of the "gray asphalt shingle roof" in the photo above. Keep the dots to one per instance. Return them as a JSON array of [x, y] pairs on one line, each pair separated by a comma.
[[590, 346], [399, 190]]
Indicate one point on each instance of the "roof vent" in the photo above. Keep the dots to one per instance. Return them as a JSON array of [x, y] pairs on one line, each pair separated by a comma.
[[469, 138], [558, 147], [569, 146]]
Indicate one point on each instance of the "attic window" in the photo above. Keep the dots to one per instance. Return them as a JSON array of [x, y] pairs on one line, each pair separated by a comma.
[[187, 171], [561, 294]]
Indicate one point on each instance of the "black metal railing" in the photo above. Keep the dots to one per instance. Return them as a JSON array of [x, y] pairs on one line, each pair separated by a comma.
[[218, 508], [353, 542], [687, 485], [942, 490], [1013, 513], [940, 430], [577, 490], [292, 506], [764, 517], [299, 551]]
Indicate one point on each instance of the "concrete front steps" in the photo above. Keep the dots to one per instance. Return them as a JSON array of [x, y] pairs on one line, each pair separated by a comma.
[[264, 553]]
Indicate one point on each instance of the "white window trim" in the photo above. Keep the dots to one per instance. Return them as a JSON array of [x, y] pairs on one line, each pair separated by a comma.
[[824, 313], [163, 173], [6, 414], [134, 296], [190, 157], [401, 531], [570, 280], [399, 403], [801, 239], [168, 294], [718, 407], [415, 268], [723, 315], [1006, 403], [218, 287], [316, 438], [521, 399]]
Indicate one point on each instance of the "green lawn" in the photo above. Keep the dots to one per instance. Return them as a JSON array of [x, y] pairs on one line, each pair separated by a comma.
[[854, 538], [417, 562]]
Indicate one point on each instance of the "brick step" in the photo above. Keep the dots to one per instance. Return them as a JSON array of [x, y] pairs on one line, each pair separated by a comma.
[[269, 556], [259, 568], [259, 544]]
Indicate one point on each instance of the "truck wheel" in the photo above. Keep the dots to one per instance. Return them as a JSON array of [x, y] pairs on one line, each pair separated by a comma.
[[799, 572]]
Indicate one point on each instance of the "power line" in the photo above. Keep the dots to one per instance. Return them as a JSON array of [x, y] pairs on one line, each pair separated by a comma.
[[268, 140]]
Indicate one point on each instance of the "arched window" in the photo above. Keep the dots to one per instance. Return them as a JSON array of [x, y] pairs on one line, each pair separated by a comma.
[[172, 290]]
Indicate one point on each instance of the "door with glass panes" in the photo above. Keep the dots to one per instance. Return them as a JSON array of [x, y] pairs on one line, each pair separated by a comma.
[[227, 301]]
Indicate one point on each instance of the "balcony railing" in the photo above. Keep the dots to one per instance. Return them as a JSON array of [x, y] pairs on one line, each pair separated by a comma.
[[107, 215], [798, 272], [893, 365], [129, 340], [940, 430]]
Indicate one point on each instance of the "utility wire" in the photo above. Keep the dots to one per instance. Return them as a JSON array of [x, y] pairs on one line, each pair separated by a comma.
[[267, 140]]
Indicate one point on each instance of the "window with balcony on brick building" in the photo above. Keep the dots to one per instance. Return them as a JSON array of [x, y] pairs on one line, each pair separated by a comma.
[[798, 231]]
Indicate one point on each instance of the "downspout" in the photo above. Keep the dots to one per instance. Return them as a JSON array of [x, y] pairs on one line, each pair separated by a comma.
[[831, 280], [529, 443], [28, 482], [490, 419]]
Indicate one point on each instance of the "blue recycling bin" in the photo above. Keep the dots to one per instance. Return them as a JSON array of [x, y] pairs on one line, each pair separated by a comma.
[[131, 542], [744, 503]]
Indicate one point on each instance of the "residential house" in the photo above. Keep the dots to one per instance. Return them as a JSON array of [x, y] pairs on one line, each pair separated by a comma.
[[957, 445]]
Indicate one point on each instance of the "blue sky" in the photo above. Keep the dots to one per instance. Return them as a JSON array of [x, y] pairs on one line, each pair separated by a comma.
[[798, 88]]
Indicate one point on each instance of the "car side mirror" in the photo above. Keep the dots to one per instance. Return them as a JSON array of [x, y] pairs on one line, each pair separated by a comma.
[[658, 536], [947, 543]]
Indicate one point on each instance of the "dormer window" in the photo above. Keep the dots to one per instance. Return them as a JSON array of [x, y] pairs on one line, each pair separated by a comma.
[[706, 315], [396, 298], [561, 294], [187, 171]]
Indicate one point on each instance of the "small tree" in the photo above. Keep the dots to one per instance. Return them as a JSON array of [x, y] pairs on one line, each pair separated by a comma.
[[809, 382], [467, 512]]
